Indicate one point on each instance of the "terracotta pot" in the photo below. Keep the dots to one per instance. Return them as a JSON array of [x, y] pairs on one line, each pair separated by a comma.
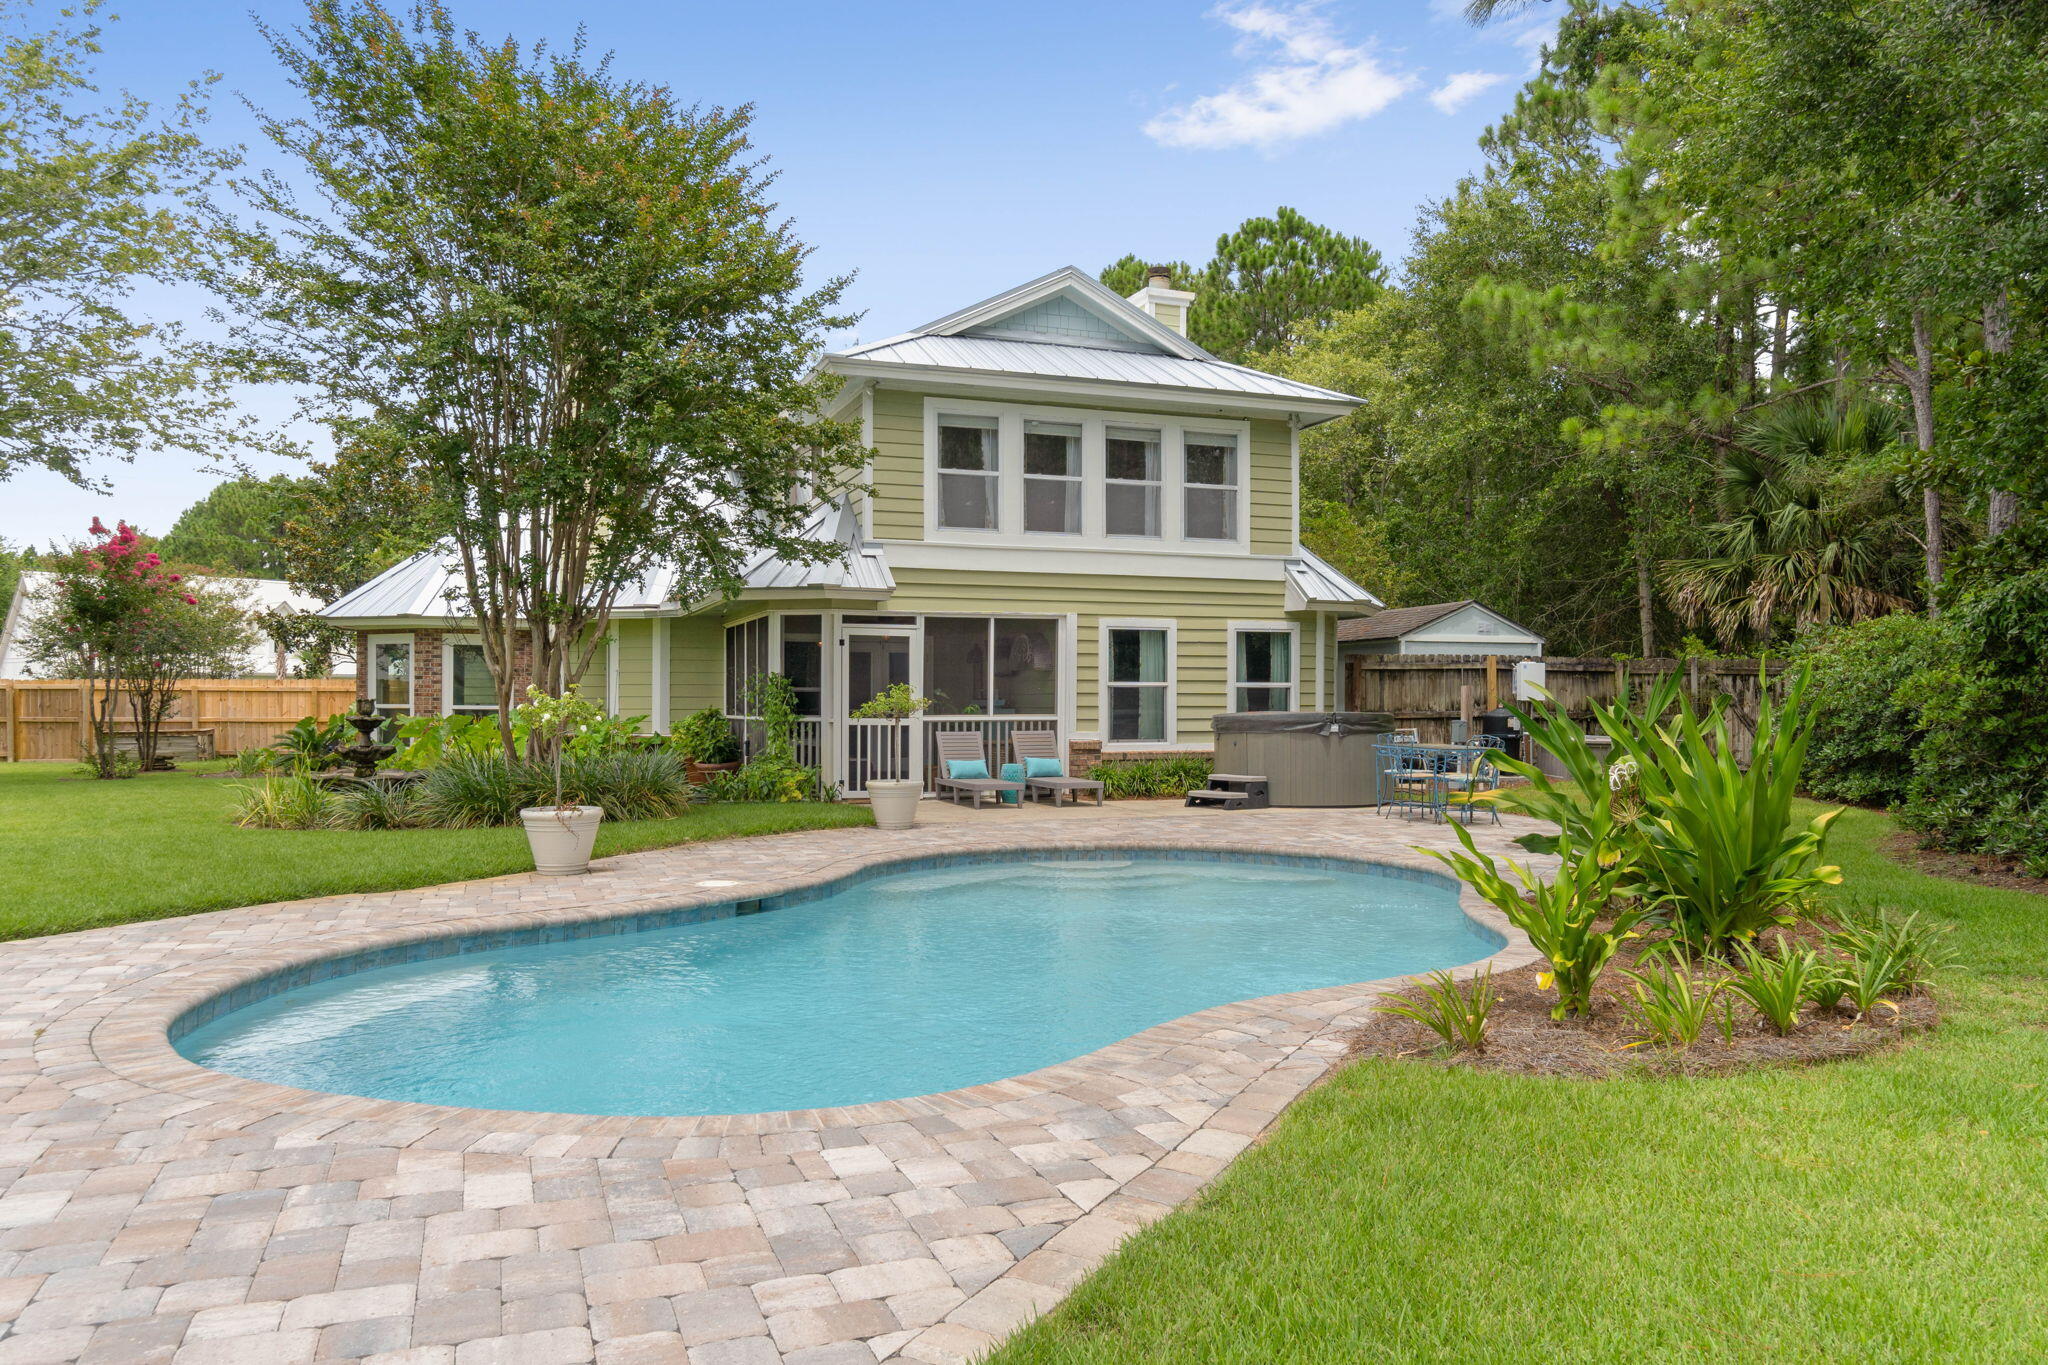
[[700, 773], [561, 838], [894, 802]]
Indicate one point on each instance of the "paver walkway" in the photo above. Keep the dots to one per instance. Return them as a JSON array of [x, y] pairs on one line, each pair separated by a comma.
[[154, 1211]]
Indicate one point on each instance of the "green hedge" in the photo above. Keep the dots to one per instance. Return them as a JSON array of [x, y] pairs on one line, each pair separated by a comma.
[[1123, 779]]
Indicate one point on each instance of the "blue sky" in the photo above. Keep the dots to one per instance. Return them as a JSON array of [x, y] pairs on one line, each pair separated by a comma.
[[944, 151]]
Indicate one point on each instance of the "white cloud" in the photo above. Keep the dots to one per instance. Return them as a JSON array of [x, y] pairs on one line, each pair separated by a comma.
[[1458, 91], [1308, 81]]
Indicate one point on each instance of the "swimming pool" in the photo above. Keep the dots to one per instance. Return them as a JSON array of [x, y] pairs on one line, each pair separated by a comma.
[[895, 982]]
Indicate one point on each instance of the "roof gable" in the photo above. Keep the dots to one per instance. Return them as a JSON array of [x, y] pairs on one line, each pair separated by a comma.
[[1081, 293], [1065, 319]]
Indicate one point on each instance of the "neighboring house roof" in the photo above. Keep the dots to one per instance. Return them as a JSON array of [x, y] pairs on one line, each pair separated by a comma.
[[1318, 585], [1400, 622], [426, 590], [1068, 328], [257, 594]]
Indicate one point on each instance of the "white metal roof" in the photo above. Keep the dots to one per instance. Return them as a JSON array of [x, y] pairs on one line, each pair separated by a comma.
[[1318, 585], [1157, 357], [428, 587], [256, 594]]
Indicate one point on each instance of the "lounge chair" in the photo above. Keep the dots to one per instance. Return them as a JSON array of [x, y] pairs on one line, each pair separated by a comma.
[[964, 746], [1030, 744]]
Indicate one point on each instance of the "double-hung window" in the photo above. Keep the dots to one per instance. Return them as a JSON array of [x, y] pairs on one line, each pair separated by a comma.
[[1210, 506], [970, 473], [391, 674], [1130, 481], [1262, 670], [470, 689], [1139, 685], [1052, 477]]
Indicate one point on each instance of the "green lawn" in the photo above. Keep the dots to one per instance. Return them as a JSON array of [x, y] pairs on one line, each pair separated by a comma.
[[1892, 1208], [76, 853]]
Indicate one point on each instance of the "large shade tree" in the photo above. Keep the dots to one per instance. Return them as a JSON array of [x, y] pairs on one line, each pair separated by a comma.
[[97, 198], [557, 304]]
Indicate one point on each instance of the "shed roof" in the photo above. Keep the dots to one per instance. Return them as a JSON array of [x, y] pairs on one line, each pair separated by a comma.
[[1394, 623]]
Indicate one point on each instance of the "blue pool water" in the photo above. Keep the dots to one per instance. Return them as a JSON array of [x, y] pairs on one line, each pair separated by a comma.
[[900, 984]]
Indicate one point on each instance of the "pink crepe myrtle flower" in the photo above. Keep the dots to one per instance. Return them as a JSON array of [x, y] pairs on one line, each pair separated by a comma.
[[190, 600]]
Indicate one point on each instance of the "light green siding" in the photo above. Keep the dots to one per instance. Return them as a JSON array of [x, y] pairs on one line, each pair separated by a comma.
[[696, 676], [1201, 608], [636, 668], [1170, 315], [898, 485]]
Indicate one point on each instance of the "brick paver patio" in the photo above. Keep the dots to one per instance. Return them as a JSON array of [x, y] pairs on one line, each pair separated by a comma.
[[151, 1210]]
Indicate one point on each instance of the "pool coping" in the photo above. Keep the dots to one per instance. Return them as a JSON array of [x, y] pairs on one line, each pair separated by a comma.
[[134, 1041], [1212, 1083]]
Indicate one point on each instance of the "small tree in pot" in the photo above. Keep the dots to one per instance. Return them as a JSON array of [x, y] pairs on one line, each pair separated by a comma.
[[560, 835], [894, 800]]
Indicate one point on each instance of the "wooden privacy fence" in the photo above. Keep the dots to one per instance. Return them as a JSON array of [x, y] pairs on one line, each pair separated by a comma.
[[51, 720], [1425, 690]]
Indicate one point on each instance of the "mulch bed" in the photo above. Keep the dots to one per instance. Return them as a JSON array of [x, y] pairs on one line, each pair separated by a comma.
[[1525, 1039], [1980, 869]]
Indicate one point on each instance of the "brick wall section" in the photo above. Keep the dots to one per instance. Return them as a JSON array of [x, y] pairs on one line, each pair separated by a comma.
[[427, 682], [1084, 754]]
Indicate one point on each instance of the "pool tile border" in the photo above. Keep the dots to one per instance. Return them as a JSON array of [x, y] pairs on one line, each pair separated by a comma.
[[1071, 1158]]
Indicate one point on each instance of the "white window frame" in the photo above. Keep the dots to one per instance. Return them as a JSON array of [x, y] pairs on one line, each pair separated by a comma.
[[1172, 685], [1291, 629], [1076, 481], [448, 706], [1156, 484], [412, 669], [1240, 470], [1062, 668], [1010, 533]]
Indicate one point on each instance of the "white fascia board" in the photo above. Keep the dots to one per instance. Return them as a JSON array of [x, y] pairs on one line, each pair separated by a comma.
[[919, 554], [1114, 306], [1275, 406]]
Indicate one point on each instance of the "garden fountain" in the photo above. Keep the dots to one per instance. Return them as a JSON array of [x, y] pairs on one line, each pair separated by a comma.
[[364, 754]]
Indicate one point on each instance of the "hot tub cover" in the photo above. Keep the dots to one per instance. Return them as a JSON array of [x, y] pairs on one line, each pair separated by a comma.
[[1321, 722]]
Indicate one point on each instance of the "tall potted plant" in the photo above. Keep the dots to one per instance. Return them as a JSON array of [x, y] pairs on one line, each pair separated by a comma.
[[893, 800], [560, 835]]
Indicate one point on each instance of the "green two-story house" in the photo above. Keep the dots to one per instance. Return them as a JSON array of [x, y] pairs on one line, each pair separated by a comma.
[[1075, 519]]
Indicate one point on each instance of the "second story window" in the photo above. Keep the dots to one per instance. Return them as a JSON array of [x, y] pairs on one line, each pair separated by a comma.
[[1130, 482], [969, 473], [1211, 487], [1052, 477]]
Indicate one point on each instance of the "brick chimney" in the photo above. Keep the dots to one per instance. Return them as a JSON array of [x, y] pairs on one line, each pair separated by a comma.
[[1165, 303]]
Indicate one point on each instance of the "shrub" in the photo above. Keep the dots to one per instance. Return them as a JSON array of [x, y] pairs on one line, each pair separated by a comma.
[[470, 791], [1559, 915], [1452, 1014], [1670, 1004], [308, 747], [1779, 987], [367, 806], [1718, 857], [767, 778], [1128, 779], [1865, 727], [475, 791], [290, 801], [424, 741], [1906, 952], [705, 737]]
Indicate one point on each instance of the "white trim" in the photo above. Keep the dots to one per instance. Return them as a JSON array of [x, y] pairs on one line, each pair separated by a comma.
[[1118, 559], [410, 639], [1277, 406], [1231, 682], [1102, 683], [1010, 419], [448, 643], [658, 714], [1322, 652], [1090, 293], [867, 477], [1294, 477], [611, 669]]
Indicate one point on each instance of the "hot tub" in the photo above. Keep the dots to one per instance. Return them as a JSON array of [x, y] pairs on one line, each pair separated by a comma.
[[1309, 758]]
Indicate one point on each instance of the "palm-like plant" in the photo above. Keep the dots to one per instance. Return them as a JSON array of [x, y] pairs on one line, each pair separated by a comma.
[[1808, 539]]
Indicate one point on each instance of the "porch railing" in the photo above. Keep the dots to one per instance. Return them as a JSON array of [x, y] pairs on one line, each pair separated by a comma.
[[876, 751], [808, 735], [995, 732]]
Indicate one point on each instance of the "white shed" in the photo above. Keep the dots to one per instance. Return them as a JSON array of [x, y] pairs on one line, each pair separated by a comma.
[[1466, 627]]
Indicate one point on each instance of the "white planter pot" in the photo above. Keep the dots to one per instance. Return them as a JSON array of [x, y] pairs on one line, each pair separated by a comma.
[[561, 839], [894, 802]]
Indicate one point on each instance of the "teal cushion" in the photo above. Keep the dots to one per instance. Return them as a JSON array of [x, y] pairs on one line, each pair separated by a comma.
[[967, 767], [1012, 772], [1044, 767]]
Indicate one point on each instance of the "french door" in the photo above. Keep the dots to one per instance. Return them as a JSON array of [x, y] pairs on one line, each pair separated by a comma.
[[872, 658]]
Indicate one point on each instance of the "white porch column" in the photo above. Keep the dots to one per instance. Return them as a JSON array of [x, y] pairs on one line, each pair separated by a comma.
[[658, 717]]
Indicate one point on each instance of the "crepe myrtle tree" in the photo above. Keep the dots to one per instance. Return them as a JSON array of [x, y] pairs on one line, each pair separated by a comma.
[[556, 303]]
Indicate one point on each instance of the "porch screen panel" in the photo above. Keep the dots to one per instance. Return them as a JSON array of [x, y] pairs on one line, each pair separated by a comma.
[[1027, 667], [956, 657], [746, 658], [803, 661]]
